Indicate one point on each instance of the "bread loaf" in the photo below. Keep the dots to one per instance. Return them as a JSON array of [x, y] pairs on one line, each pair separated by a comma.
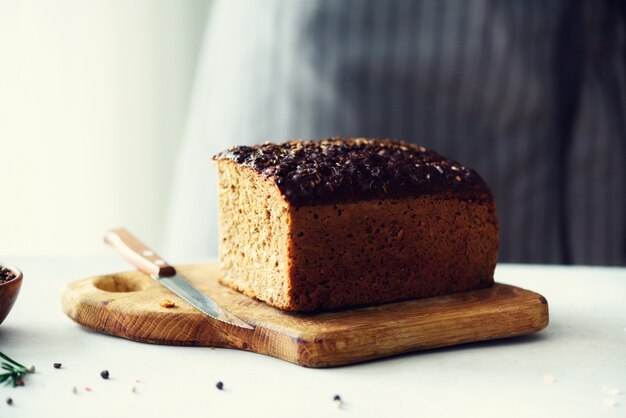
[[317, 225]]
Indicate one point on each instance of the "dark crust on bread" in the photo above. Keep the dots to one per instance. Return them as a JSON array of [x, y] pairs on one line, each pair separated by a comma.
[[343, 170]]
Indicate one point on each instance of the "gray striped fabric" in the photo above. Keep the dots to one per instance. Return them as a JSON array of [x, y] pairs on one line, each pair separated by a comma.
[[530, 93]]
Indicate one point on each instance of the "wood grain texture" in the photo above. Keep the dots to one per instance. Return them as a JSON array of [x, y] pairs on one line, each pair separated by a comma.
[[128, 305]]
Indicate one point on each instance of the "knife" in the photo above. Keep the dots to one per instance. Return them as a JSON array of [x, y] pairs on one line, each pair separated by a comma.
[[147, 261]]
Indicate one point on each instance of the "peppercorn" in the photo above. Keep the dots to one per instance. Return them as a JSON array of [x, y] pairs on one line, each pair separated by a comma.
[[9, 401], [337, 398], [6, 275], [219, 385], [104, 374], [57, 365]]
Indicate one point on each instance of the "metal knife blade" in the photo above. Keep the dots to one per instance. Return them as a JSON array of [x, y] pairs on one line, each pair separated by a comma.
[[146, 260], [179, 285]]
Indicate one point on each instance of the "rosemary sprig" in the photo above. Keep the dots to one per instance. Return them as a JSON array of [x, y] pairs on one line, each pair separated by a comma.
[[14, 371]]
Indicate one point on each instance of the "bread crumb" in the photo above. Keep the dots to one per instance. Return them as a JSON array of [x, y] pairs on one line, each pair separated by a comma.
[[609, 402], [611, 391], [166, 303]]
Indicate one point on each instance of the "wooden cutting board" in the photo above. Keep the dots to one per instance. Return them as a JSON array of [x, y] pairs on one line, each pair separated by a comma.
[[128, 305]]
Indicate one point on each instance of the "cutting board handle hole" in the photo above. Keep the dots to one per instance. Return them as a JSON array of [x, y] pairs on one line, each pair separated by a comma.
[[120, 284]]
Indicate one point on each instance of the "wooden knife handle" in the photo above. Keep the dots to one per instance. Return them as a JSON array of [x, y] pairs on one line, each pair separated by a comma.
[[138, 254]]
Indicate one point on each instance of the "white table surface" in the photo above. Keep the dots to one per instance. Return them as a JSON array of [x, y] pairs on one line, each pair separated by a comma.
[[573, 368]]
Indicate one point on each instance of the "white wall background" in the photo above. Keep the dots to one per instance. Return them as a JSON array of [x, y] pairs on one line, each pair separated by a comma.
[[93, 98]]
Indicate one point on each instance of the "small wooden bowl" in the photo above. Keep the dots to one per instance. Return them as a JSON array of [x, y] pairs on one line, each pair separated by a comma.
[[9, 291]]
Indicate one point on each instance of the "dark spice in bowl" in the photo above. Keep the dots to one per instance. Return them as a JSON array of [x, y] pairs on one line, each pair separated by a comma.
[[10, 284], [6, 275]]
